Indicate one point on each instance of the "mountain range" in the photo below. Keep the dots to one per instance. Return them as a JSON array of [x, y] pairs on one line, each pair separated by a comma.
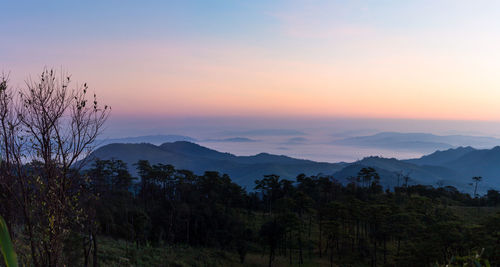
[[453, 166], [232, 140], [423, 142], [186, 155]]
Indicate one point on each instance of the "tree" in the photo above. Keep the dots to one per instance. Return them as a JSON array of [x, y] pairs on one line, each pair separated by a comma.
[[47, 133], [332, 226], [10, 149], [302, 205], [271, 233], [369, 177], [493, 197], [477, 180], [407, 179], [270, 187]]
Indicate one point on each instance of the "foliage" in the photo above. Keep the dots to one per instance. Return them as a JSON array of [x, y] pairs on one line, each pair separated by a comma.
[[6, 247], [475, 259]]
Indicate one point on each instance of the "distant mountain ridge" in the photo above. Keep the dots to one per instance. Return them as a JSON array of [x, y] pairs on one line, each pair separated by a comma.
[[418, 141], [263, 132], [450, 167], [441, 157], [151, 139], [232, 139]]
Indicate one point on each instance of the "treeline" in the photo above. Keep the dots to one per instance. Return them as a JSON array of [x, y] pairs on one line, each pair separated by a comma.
[[314, 216]]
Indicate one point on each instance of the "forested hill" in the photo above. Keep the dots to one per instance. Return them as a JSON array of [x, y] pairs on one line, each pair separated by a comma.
[[467, 162], [196, 158], [451, 167]]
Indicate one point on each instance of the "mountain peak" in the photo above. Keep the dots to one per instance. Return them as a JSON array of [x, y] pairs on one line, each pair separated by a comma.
[[187, 143], [443, 156], [192, 149]]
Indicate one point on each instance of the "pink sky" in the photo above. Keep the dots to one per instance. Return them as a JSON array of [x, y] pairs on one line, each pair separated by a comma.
[[286, 60]]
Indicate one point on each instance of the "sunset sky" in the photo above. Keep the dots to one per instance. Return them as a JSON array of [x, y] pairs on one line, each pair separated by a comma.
[[364, 59]]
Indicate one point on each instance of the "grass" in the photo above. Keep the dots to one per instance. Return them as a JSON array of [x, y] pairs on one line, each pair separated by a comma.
[[118, 253]]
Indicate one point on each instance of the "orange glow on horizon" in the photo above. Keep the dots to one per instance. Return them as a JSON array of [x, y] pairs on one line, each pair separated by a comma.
[[404, 80]]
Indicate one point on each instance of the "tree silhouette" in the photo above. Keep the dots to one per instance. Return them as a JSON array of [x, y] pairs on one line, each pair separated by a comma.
[[477, 180], [47, 133]]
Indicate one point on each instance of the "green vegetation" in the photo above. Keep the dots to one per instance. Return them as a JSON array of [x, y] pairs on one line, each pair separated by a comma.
[[6, 247], [181, 219], [119, 253]]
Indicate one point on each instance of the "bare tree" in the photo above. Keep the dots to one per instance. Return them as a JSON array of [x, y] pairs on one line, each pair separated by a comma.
[[47, 134]]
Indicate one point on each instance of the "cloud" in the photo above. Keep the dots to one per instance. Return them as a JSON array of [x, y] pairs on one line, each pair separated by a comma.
[[325, 20]]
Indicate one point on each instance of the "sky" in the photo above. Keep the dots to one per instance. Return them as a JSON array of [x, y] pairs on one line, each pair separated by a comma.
[[403, 60]]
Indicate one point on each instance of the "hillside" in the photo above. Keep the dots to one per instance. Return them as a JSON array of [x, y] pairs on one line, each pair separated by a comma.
[[186, 155]]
